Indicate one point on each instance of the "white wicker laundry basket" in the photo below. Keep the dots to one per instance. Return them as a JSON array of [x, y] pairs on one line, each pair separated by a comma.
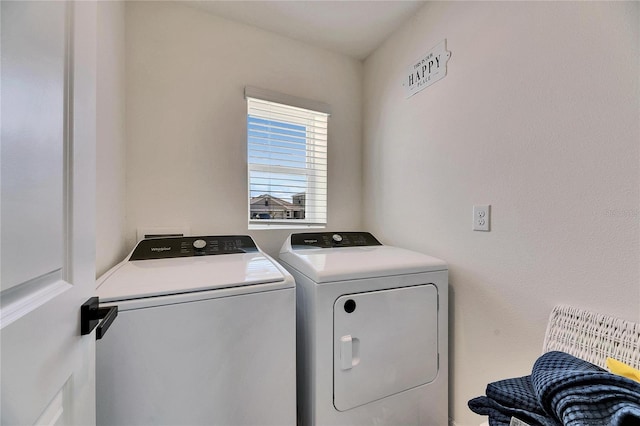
[[592, 336]]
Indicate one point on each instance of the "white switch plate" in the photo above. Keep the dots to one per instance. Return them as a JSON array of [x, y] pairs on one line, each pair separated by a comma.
[[481, 217]]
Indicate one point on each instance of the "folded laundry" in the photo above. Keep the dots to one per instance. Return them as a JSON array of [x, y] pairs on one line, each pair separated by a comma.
[[562, 390]]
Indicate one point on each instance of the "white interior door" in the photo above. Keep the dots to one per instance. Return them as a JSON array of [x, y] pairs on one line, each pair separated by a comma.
[[47, 247]]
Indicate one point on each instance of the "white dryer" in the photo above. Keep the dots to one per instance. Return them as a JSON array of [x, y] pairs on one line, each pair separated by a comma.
[[205, 335], [372, 334]]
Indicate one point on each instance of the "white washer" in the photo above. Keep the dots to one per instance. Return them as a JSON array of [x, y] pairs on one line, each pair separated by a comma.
[[372, 340], [205, 335]]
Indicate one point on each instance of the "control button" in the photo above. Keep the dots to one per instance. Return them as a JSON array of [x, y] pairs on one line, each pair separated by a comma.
[[199, 244], [337, 238]]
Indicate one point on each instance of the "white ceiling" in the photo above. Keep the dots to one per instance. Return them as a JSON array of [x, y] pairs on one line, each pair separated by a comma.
[[352, 27]]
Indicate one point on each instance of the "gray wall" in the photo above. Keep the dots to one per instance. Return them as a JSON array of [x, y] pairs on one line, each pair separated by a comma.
[[186, 118], [110, 138], [539, 117]]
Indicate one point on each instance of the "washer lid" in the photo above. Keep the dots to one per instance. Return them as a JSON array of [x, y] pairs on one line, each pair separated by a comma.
[[156, 277], [325, 265]]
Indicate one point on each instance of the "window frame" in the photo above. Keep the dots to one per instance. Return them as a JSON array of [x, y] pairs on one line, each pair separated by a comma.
[[315, 108]]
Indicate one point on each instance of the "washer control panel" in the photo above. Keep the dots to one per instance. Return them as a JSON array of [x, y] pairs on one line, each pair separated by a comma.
[[332, 239], [168, 248]]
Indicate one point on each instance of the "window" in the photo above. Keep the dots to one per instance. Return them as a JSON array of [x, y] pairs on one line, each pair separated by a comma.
[[287, 160]]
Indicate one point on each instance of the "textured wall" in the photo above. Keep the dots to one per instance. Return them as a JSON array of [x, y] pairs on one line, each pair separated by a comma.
[[539, 117], [110, 143], [186, 118]]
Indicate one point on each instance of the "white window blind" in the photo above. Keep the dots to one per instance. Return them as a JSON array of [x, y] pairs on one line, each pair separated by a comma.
[[287, 163]]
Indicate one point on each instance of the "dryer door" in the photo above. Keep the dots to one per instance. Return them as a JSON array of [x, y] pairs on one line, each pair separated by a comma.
[[385, 342]]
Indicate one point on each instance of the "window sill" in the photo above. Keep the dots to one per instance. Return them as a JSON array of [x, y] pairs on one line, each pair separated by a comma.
[[265, 225]]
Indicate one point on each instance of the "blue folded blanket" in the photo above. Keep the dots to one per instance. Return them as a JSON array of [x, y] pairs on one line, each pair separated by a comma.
[[562, 390]]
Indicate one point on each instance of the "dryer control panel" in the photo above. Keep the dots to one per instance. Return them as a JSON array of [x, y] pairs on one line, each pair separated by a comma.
[[168, 248], [332, 239]]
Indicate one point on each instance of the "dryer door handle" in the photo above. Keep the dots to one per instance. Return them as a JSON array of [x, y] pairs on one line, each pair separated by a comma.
[[346, 352]]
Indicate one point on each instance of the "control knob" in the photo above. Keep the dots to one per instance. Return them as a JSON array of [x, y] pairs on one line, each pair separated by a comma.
[[199, 244], [337, 238]]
